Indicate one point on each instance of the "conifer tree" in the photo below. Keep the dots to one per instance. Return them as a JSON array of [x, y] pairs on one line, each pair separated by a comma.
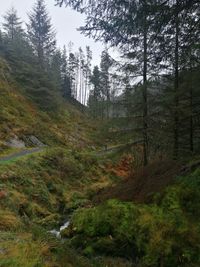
[[180, 32], [41, 33], [12, 24], [66, 86], [95, 98], [105, 65], [15, 47], [56, 70]]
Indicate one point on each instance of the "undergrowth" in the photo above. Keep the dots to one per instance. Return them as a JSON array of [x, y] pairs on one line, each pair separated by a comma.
[[165, 233]]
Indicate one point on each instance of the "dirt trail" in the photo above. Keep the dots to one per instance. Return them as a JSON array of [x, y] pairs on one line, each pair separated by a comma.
[[20, 154], [25, 152]]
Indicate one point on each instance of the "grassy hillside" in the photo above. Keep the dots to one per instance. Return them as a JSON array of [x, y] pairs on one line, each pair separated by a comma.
[[20, 117], [39, 192]]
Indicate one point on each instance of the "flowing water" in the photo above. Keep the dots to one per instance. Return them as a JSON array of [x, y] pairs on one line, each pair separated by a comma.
[[57, 233]]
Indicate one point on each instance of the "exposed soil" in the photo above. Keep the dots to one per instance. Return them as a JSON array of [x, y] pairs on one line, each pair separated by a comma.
[[141, 186]]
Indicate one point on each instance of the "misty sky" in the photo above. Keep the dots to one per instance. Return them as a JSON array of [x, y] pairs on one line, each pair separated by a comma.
[[65, 22]]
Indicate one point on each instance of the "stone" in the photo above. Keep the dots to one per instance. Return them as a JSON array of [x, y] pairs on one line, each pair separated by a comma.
[[15, 142], [35, 141]]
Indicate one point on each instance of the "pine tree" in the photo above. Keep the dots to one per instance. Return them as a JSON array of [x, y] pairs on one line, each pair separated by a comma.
[[12, 24], [15, 47], [66, 86], [95, 99], [105, 65], [56, 70], [41, 33], [180, 35]]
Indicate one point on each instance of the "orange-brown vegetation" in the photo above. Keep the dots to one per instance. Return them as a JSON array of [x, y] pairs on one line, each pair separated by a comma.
[[141, 184]]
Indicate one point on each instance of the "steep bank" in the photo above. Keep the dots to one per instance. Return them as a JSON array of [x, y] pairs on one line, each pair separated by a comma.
[[21, 119]]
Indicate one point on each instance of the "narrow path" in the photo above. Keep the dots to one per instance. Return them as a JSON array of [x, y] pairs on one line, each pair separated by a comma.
[[109, 150], [21, 154]]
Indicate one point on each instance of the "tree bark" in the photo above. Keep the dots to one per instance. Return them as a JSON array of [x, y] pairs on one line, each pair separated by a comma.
[[145, 103], [191, 121], [176, 86]]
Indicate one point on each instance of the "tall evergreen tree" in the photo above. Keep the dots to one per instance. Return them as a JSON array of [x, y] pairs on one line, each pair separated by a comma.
[[41, 33], [15, 47], [95, 98], [105, 65], [66, 85], [180, 37], [56, 70], [12, 24]]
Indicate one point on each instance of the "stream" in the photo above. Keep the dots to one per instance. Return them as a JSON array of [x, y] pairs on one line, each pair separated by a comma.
[[57, 233]]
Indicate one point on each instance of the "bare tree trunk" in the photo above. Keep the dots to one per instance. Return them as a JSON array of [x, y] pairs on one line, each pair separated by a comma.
[[145, 104], [191, 121], [86, 89], [79, 97], [176, 87], [76, 82], [82, 85]]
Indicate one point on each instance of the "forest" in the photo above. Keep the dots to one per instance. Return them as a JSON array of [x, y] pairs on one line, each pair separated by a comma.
[[100, 164]]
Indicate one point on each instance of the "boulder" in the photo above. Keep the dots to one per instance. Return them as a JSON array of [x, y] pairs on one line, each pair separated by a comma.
[[33, 141], [15, 142]]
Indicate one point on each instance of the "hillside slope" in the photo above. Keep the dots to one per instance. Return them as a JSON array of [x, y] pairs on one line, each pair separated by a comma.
[[39, 191], [20, 118]]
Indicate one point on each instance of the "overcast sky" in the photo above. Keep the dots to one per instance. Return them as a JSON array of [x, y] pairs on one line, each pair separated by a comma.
[[65, 22]]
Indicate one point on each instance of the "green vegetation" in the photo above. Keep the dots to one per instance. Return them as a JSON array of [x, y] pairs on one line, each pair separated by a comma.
[[164, 233], [60, 167], [37, 193], [41, 187]]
